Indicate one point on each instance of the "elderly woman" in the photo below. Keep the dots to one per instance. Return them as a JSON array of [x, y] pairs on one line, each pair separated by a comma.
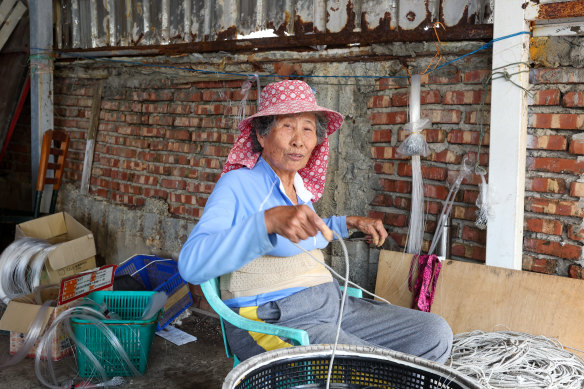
[[258, 215]]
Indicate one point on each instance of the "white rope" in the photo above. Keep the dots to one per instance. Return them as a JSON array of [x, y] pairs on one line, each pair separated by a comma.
[[346, 281], [509, 359]]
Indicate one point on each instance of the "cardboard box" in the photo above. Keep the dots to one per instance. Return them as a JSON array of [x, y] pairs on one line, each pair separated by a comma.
[[19, 315], [75, 251]]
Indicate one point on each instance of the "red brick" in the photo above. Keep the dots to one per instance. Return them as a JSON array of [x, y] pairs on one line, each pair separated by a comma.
[[381, 136], [155, 193], [379, 102], [547, 142], [449, 77], [472, 117], [431, 135], [178, 134], [464, 212], [435, 191], [391, 185], [188, 96], [399, 117], [564, 75], [545, 184], [400, 99], [545, 97], [397, 220], [573, 99], [555, 165], [181, 171], [402, 203], [449, 116], [554, 207], [445, 156], [474, 234], [546, 226], [145, 180], [476, 76], [159, 120], [200, 187], [577, 189], [468, 251], [382, 200], [391, 83], [384, 167], [173, 184], [556, 249], [386, 153], [539, 265], [559, 121], [576, 146], [428, 172], [466, 137], [575, 271], [576, 233], [459, 97]]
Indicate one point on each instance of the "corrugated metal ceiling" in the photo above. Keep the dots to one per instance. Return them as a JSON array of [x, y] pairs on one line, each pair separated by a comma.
[[90, 24]]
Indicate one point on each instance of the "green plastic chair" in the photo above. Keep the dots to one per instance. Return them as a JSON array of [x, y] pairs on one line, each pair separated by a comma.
[[297, 337]]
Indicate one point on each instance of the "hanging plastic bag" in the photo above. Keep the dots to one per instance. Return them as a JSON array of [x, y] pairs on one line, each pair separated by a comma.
[[415, 143]]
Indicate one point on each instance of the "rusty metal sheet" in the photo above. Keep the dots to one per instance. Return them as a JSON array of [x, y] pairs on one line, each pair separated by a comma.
[[84, 24], [414, 14], [561, 10]]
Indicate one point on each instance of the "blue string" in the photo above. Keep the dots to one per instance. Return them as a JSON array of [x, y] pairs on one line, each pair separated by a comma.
[[66, 54], [485, 46]]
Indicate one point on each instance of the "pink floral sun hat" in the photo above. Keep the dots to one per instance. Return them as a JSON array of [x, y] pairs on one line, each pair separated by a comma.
[[282, 98]]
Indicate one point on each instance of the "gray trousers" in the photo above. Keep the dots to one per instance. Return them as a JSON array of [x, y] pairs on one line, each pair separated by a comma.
[[365, 322]]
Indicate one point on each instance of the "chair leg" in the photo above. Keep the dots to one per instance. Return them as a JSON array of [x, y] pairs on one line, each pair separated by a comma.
[[37, 203], [53, 202]]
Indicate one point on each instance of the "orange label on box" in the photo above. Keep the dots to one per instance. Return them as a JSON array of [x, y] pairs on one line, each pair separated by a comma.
[[82, 284]]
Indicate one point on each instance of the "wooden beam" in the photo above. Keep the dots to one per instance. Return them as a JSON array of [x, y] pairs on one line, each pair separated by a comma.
[[11, 22], [508, 135], [91, 136]]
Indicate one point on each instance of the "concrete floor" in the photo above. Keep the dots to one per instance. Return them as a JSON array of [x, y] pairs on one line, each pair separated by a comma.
[[197, 365]]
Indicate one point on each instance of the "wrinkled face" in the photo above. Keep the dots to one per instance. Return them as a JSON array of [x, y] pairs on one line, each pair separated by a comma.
[[289, 144]]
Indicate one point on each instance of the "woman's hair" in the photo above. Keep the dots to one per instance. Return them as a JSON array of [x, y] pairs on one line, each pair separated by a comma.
[[262, 125]]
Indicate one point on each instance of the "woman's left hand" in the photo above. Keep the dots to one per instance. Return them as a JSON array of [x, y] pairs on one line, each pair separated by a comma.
[[369, 226]]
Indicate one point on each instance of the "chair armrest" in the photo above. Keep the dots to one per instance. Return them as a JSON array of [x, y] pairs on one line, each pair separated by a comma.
[[353, 292], [300, 337]]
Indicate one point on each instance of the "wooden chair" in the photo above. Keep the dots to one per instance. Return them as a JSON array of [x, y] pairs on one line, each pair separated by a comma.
[[55, 143]]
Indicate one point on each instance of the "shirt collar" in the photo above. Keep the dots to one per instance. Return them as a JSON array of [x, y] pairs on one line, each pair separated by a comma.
[[303, 194]]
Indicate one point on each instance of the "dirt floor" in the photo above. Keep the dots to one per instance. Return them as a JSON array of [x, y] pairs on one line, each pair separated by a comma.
[[197, 365]]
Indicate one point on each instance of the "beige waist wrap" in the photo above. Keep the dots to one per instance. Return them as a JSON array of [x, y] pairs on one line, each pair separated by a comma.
[[268, 274]]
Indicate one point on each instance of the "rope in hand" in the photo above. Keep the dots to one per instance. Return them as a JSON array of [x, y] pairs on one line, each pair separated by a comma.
[[346, 281]]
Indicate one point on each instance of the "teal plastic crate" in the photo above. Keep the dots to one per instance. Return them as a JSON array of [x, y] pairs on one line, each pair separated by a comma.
[[135, 335]]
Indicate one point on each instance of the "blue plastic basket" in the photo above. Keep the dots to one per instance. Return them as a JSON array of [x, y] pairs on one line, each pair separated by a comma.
[[134, 335], [160, 275]]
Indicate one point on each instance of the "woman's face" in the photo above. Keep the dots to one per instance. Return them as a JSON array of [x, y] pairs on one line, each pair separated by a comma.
[[289, 144]]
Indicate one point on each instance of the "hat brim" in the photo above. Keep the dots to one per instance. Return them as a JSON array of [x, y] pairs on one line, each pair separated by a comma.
[[335, 119]]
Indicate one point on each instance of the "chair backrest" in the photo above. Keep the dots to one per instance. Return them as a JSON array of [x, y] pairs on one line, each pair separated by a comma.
[[55, 143]]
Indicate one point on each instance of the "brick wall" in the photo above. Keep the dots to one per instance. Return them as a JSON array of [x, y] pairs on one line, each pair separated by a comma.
[[553, 206], [166, 139], [452, 102], [160, 141]]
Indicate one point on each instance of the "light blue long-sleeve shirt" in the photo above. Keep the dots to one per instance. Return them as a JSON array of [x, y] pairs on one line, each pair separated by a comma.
[[232, 231]]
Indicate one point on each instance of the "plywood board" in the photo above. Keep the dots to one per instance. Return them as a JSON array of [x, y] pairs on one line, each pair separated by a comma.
[[478, 297]]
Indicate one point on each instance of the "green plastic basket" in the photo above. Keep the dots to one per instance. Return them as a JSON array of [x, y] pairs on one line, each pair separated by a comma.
[[135, 335]]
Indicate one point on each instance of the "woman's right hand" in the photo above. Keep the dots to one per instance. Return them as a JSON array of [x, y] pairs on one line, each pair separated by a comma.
[[296, 222]]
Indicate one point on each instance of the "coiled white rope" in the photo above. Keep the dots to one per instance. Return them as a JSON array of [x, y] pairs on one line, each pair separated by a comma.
[[507, 359], [21, 264]]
